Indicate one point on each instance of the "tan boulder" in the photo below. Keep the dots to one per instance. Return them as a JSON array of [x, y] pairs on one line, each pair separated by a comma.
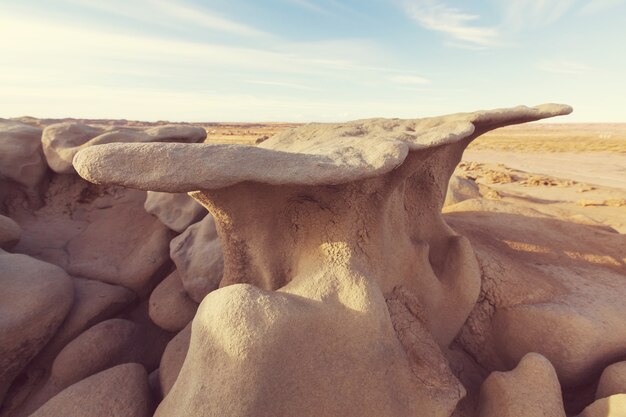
[[197, 254], [34, 300], [121, 391], [62, 141], [173, 359], [565, 304], [94, 302], [170, 306], [531, 390], [612, 381], [177, 211], [135, 247], [98, 233], [460, 189], [21, 156], [612, 406], [107, 344], [10, 232]]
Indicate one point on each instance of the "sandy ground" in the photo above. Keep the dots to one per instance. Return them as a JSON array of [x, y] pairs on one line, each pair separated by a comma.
[[598, 168], [571, 171]]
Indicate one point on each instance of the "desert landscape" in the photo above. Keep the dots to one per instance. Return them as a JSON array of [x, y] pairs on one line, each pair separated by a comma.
[[468, 265]]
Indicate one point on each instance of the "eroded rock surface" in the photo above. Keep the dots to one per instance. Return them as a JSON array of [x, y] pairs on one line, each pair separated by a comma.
[[21, 156], [326, 222], [530, 390], [35, 297], [548, 286], [170, 306], [10, 232], [612, 381], [197, 254], [121, 391], [177, 211]]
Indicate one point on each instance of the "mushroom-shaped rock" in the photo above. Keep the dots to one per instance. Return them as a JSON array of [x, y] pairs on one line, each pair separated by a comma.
[[35, 297], [197, 254], [377, 185], [338, 217], [530, 390], [612, 381], [613, 406], [10, 232], [170, 306], [21, 156], [121, 391], [177, 211], [62, 141]]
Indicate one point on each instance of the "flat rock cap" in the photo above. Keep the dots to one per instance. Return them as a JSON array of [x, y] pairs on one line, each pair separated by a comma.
[[312, 154]]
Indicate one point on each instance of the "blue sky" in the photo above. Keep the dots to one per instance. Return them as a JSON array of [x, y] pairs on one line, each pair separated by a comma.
[[307, 60]]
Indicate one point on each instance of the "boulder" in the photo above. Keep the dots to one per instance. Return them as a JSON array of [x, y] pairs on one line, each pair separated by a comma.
[[566, 303], [530, 390], [21, 156], [177, 211], [98, 233], [612, 381], [94, 302], [10, 232], [460, 189], [107, 344], [121, 391], [612, 406], [197, 254], [173, 359], [34, 300], [170, 306], [61, 141]]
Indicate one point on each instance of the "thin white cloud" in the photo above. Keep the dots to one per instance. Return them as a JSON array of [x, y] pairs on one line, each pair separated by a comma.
[[437, 16], [564, 67], [523, 14], [409, 79], [596, 6], [171, 13]]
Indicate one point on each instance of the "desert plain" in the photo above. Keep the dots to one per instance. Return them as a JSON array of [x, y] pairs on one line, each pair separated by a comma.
[[297, 295]]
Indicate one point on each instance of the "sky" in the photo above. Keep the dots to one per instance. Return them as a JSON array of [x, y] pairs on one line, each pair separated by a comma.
[[308, 60]]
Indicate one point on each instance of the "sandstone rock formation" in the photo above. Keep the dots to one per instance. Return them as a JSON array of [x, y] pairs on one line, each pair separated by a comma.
[[612, 381], [530, 390], [170, 305], [197, 254], [98, 233], [10, 232], [326, 222], [548, 286], [173, 359], [121, 391], [460, 189], [21, 156], [177, 211], [34, 300], [613, 406], [63, 140]]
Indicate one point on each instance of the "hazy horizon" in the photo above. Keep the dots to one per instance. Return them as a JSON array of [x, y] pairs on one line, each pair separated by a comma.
[[304, 60]]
